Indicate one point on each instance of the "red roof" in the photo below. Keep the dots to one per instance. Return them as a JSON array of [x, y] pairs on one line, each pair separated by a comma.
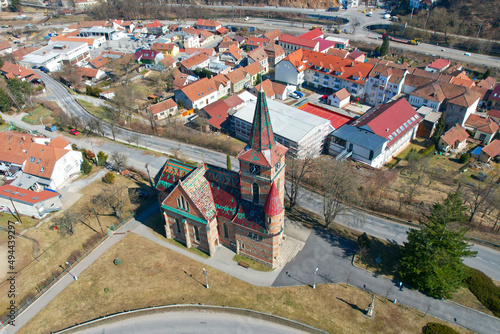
[[289, 39], [494, 113], [217, 112], [273, 205], [313, 34], [24, 195], [456, 133], [483, 124], [257, 41], [439, 64], [146, 54], [336, 120], [492, 149], [391, 120], [207, 23], [155, 24]]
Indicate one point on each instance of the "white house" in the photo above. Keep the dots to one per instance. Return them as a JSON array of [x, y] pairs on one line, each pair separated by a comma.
[[339, 99], [53, 56], [27, 202], [384, 82], [5, 48], [291, 69], [197, 94], [162, 109]]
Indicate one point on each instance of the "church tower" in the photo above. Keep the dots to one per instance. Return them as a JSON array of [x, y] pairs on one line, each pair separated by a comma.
[[262, 162]]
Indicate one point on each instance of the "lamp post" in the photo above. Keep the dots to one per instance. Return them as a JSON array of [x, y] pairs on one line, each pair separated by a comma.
[[69, 271], [314, 284], [41, 120], [206, 277]]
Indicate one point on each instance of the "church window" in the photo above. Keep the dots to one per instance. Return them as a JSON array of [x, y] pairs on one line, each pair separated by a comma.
[[178, 225], [255, 192], [197, 233]]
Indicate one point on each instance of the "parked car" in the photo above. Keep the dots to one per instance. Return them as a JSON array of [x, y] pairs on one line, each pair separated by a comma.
[[50, 127], [293, 96], [299, 94], [74, 132], [467, 54], [324, 97]]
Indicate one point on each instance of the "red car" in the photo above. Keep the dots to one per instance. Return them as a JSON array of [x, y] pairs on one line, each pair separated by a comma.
[[324, 97], [74, 132]]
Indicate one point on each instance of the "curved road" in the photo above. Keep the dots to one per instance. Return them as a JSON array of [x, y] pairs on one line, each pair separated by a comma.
[[190, 322], [487, 260]]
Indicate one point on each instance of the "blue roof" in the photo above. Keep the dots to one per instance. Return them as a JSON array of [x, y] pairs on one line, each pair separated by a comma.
[[477, 151], [360, 137]]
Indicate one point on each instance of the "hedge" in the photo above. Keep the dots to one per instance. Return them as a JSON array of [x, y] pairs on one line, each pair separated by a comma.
[[435, 328], [428, 150], [485, 290]]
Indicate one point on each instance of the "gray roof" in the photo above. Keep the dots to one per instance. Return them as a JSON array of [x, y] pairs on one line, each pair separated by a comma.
[[360, 137], [288, 122]]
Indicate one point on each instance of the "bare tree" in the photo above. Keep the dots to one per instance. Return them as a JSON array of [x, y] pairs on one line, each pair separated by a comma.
[[339, 189], [115, 130], [475, 196], [296, 171], [119, 160], [115, 197]]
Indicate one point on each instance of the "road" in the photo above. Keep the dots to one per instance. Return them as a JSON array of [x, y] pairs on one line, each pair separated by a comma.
[[487, 259], [191, 322]]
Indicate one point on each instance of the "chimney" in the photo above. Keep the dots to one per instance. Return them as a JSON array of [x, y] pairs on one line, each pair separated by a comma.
[[352, 64]]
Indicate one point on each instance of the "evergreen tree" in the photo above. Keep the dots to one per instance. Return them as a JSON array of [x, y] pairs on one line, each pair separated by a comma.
[[5, 102], [228, 162], [86, 167], [487, 74], [431, 259], [15, 5], [102, 158], [439, 130], [384, 49]]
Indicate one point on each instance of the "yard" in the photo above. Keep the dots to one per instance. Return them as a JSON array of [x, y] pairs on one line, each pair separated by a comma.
[[54, 250], [39, 114], [169, 278]]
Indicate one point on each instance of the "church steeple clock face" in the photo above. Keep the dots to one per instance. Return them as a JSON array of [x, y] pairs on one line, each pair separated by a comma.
[[255, 169]]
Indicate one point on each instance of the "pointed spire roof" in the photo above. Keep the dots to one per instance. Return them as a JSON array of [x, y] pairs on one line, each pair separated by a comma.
[[273, 205], [262, 136]]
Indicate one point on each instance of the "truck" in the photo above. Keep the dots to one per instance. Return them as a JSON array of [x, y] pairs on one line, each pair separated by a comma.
[[333, 9], [50, 127]]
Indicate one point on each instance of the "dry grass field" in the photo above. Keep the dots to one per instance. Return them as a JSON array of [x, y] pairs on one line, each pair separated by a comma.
[[153, 275]]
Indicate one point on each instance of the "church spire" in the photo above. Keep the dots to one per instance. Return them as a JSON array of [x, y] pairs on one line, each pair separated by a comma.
[[262, 136]]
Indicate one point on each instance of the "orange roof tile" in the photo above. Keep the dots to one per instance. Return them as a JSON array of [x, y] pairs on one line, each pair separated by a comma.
[[482, 124], [42, 159], [254, 68], [456, 133], [237, 75], [159, 107], [60, 142], [4, 45], [492, 149], [14, 147], [199, 89]]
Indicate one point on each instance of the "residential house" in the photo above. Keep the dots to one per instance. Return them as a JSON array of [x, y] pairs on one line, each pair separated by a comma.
[[107, 95], [18, 54], [99, 62], [206, 37], [29, 203], [438, 65], [223, 85], [455, 139], [255, 70], [197, 94], [168, 62], [430, 120], [53, 56], [356, 56], [256, 42], [490, 151], [273, 35], [384, 82], [208, 25], [162, 109], [377, 136], [199, 60], [156, 28], [259, 55], [23, 73], [291, 69], [342, 53], [168, 49], [217, 112], [232, 55], [240, 39], [275, 54], [182, 79], [5, 48], [339, 99], [494, 114], [93, 74], [484, 128], [494, 98], [191, 41], [128, 26], [150, 57], [206, 206], [273, 90], [222, 31], [488, 83], [239, 78], [291, 44], [224, 45]]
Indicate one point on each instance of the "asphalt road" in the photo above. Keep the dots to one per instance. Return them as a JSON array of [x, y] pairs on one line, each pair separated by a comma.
[[191, 323], [487, 259]]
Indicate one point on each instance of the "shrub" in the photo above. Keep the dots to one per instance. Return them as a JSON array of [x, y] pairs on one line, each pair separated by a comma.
[[117, 262], [464, 158], [428, 150], [86, 167], [109, 178], [435, 328], [485, 290]]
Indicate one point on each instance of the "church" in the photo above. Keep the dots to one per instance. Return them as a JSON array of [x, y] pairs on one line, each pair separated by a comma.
[[208, 206]]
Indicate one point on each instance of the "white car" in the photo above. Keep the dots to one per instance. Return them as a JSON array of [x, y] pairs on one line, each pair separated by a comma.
[[293, 96]]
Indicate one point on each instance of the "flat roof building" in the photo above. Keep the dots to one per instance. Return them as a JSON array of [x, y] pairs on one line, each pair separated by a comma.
[[54, 55]]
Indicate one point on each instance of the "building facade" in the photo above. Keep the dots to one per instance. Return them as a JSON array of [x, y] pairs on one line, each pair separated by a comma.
[[209, 206]]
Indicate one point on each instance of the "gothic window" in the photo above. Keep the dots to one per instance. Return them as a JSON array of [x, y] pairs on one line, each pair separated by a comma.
[[255, 192], [196, 233], [178, 225]]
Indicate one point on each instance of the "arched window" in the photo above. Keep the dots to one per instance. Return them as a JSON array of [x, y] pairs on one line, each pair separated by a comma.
[[178, 225], [255, 192], [196, 233]]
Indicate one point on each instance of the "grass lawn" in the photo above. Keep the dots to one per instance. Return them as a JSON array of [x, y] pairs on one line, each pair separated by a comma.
[[5, 126], [55, 250], [252, 264], [153, 275], [33, 116], [94, 110]]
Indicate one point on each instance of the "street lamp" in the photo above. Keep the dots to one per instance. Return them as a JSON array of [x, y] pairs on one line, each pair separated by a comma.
[[400, 288], [206, 277], [41, 120], [69, 271], [314, 284]]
